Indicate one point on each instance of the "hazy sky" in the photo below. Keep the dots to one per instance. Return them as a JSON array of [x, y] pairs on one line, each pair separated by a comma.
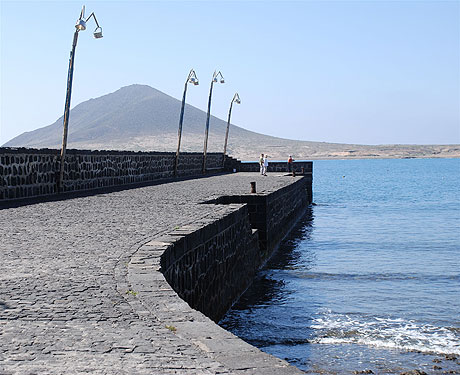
[[368, 72]]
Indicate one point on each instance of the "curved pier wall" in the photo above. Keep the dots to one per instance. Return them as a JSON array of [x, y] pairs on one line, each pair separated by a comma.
[[211, 265]]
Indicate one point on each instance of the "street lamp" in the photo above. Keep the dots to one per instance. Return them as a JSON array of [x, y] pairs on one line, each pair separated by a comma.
[[215, 79], [192, 78], [236, 99], [79, 26]]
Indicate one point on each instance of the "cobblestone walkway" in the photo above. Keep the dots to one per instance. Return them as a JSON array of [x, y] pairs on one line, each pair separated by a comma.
[[61, 311]]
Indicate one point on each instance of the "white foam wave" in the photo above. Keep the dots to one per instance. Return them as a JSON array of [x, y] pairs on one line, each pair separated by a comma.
[[332, 328]]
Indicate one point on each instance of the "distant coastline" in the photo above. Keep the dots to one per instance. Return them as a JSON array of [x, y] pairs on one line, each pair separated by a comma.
[[333, 151], [300, 150]]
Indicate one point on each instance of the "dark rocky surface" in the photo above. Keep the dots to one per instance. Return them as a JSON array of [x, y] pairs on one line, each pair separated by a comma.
[[28, 173], [80, 294]]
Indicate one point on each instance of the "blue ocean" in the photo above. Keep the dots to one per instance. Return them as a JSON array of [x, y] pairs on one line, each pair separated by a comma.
[[369, 280]]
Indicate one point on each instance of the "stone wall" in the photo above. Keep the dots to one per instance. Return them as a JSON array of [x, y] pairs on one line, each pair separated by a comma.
[[29, 172], [284, 207], [271, 213], [33, 172], [211, 265]]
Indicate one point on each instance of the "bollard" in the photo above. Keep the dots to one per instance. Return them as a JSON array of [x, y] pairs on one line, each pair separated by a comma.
[[253, 187], [303, 170]]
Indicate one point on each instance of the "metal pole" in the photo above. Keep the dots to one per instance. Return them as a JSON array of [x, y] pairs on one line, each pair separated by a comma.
[[207, 128], [181, 119], [226, 133], [67, 109]]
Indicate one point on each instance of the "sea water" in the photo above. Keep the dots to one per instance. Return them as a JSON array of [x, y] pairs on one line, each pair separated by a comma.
[[369, 279]]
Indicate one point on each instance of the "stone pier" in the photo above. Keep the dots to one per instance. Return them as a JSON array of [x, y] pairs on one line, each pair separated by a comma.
[[131, 282]]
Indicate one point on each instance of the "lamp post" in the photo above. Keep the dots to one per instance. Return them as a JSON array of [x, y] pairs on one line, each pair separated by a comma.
[[236, 99], [214, 80], [192, 78], [79, 26]]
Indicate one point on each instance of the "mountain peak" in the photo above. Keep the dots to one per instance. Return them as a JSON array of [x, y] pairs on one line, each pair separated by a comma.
[[137, 87], [137, 90], [136, 114]]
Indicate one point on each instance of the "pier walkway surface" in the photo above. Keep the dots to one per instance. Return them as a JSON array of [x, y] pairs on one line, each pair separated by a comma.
[[63, 305]]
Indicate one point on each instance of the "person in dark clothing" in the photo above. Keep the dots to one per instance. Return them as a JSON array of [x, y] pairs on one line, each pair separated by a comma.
[[289, 163]]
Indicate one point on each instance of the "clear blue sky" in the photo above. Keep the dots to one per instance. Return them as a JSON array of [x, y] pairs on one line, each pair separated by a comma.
[[368, 72]]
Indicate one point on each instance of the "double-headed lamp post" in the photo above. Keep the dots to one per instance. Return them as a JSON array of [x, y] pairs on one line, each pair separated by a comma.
[[236, 99], [79, 26], [192, 78], [215, 79]]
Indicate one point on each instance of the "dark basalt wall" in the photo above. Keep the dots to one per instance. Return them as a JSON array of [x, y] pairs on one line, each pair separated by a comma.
[[211, 266], [29, 172]]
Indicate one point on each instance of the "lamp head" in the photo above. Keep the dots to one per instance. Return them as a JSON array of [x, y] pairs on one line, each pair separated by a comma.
[[215, 77], [98, 33], [192, 78], [238, 101], [80, 25]]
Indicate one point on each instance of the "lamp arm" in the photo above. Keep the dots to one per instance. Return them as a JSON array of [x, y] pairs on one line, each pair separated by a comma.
[[215, 75], [189, 76], [95, 19]]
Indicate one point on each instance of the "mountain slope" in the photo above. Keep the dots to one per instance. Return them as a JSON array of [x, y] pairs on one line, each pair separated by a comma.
[[140, 118], [126, 119]]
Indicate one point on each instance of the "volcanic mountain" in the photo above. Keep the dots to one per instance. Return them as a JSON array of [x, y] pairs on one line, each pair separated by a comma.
[[141, 118]]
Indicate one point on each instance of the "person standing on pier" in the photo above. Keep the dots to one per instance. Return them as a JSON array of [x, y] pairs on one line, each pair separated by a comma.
[[265, 165], [261, 163], [289, 163]]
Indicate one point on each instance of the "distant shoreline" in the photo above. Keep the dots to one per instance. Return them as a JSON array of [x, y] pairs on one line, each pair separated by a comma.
[[251, 160], [363, 158]]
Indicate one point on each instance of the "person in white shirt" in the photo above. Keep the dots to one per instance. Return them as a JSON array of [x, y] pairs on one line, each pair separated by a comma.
[[265, 165], [261, 164]]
